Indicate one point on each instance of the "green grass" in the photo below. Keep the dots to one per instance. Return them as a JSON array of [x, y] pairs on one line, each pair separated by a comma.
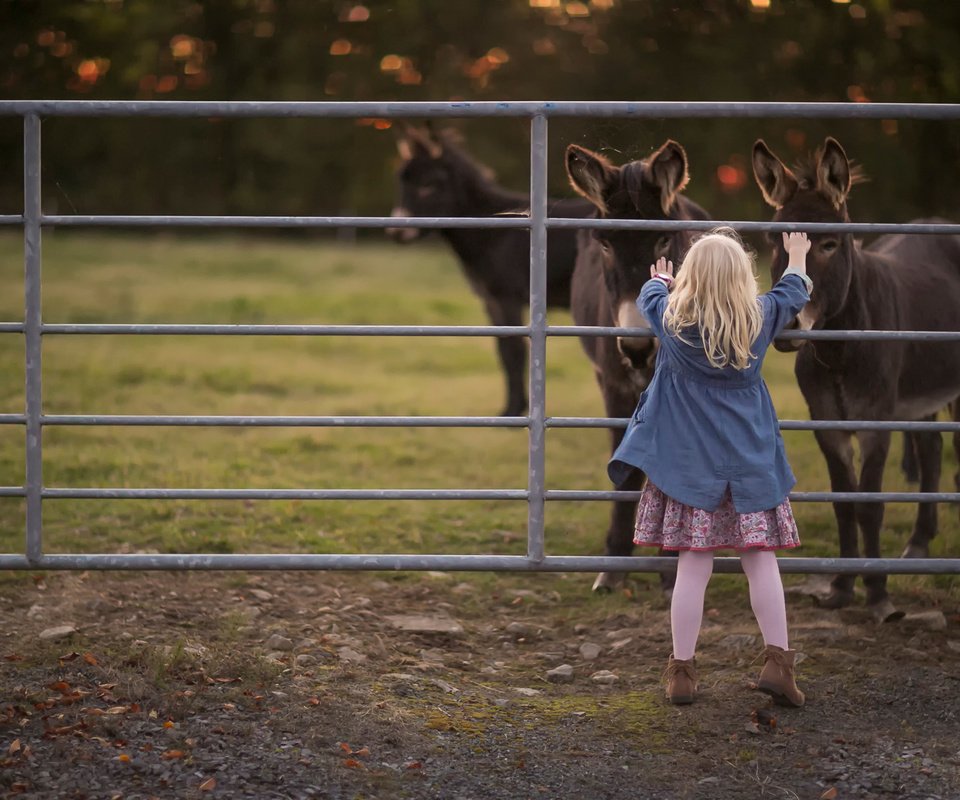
[[232, 279]]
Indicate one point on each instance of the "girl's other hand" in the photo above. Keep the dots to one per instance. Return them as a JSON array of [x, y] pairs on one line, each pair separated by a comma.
[[662, 266]]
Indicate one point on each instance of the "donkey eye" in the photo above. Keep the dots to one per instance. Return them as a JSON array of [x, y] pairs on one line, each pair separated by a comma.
[[663, 245], [829, 245]]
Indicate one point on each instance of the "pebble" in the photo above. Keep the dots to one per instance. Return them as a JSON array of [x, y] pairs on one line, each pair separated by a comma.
[[590, 651], [305, 660], [521, 630], [738, 641], [346, 654], [931, 620], [57, 633], [604, 676], [523, 690], [278, 642], [420, 623], [261, 594], [561, 674]]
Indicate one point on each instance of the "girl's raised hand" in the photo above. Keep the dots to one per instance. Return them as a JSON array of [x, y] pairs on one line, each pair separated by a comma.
[[796, 244], [662, 266]]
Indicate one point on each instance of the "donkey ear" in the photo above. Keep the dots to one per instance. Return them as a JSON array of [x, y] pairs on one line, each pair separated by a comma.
[[590, 174], [404, 148], [834, 177], [668, 166], [777, 183], [423, 141]]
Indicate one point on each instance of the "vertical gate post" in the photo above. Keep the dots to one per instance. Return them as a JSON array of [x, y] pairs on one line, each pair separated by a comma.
[[538, 337], [32, 335]]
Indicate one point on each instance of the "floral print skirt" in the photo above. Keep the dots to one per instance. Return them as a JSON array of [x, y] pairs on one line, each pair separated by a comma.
[[669, 524]]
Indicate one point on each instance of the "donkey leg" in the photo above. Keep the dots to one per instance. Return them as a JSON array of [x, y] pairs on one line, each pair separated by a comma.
[[512, 351], [620, 536], [929, 454], [874, 447], [837, 449], [908, 463]]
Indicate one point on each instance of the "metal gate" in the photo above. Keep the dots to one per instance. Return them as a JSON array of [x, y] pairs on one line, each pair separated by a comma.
[[33, 329]]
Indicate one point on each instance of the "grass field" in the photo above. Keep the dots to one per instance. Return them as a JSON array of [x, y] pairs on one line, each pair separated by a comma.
[[232, 279]]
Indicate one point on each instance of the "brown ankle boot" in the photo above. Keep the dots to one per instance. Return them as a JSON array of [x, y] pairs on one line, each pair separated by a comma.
[[681, 677], [777, 677]]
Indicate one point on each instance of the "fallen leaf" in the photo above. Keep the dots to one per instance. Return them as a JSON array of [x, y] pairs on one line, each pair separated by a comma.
[[346, 748], [170, 755], [123, 758], [414, 765], [314, 701], [829, 794], [14, 747], [363, 751], [352, 763], [91, 659], [117, 710], [208, 785], [169, 724], [67, 657], [60, 686], [13, 657]]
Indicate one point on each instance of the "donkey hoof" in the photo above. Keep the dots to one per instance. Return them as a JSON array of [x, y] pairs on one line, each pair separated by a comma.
[[608, 582], [836, 599], [885, 611], [915, 551]]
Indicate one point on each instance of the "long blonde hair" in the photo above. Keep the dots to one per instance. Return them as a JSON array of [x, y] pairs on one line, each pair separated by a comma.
[[716, 291]]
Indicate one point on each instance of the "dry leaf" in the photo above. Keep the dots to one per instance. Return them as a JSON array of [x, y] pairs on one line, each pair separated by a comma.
[[829, 794], [169, 724], [117, 710], [170, 755], [363, 751], [14, 747], [208, 785], [346, 748], [123, 758], [414, 765], [13, 657], [352, 763], [91, 659]]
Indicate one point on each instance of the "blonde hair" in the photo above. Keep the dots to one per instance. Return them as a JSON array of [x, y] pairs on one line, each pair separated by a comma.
[[716, 291]]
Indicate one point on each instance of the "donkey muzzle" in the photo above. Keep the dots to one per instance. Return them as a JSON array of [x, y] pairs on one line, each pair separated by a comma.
[[804, 321], [402, 235], [637, 353]]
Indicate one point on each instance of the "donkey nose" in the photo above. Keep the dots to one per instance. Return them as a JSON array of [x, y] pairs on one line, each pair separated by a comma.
[[638, 353]]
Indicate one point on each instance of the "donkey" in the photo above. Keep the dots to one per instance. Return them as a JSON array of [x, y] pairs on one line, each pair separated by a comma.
[[899, 282], [438, 179], [612, 266]]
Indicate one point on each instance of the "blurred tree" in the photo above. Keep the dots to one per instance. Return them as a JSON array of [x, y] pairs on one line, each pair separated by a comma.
[[873, 50]]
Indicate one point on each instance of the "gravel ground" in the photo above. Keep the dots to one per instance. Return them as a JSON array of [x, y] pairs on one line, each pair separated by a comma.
[[375, 686]]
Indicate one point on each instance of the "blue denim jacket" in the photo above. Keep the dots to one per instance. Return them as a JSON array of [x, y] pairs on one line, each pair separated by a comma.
[[698, 428]]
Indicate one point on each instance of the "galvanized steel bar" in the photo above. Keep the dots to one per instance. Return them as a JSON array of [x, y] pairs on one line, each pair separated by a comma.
[[149, 329], [276, 421], [511, 222], [490, 108], [11, 327], [32, 311], [785, 424], [12, 491], [74, 493], [537, 462], [464, 563], [11, 219], [817, 335], [795, 497], [13, 419]]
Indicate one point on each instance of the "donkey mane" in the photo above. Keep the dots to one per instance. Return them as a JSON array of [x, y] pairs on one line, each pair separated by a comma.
[[805, 171], [452, 143]]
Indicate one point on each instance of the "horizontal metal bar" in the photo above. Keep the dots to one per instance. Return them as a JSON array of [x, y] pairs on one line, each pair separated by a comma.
[[463, 563], [451, 494], [13, 491], [11, 219], [206, 221], [284, 330], [11, 327], [748, 226], [283, 494], [13, 419], [280, 421], [795, 497], [511, 222], [489, 108], [499, 331], [785, 424], [817, 335]]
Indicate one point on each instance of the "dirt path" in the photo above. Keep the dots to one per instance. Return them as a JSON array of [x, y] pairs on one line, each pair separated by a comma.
[[379, 686]]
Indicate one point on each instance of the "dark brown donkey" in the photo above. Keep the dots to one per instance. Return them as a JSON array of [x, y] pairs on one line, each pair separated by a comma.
[[612, 266], [899, 282], [438, 179]]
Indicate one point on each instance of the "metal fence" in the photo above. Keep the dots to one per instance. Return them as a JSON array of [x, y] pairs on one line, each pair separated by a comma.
[[33, 329]]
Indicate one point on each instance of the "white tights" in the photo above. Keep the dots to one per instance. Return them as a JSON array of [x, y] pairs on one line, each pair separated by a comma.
[[766, 598]]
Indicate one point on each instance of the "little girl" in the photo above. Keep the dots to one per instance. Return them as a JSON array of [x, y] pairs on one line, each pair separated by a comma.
[[706, 435]]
